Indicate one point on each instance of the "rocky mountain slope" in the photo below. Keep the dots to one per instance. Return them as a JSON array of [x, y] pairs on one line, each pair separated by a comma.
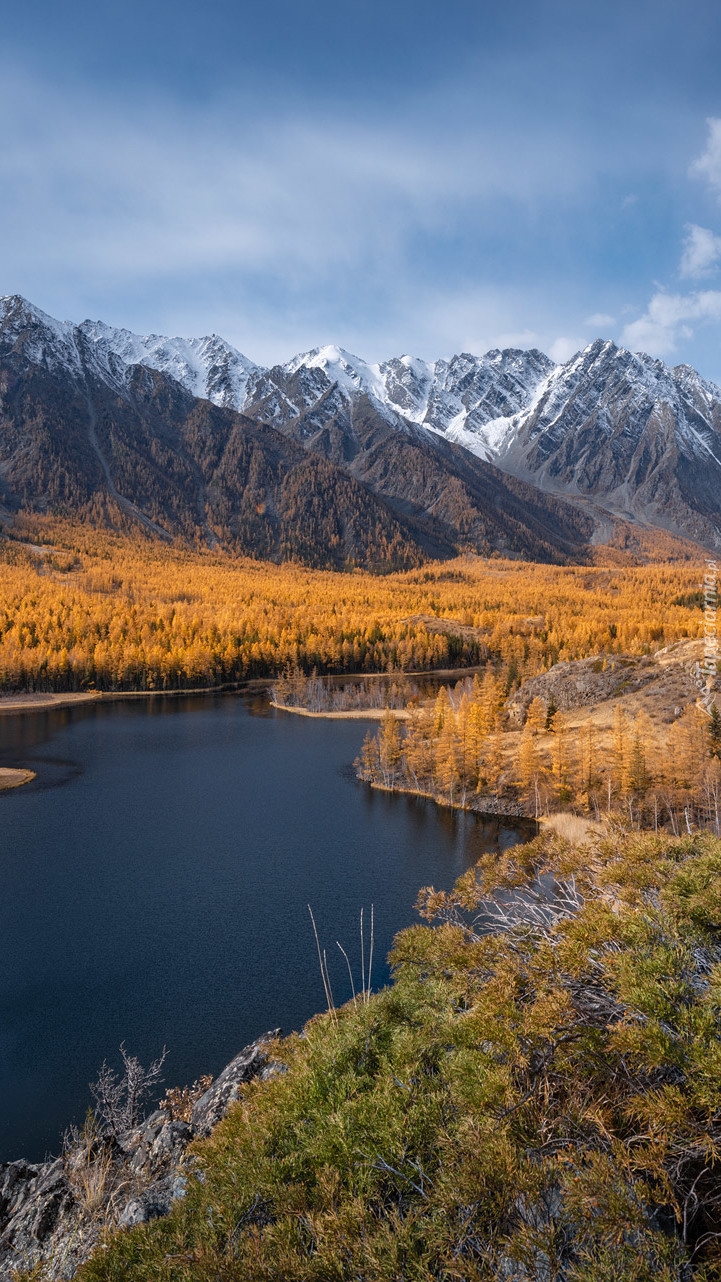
[[638, 438], [612, 431], [308, 471]]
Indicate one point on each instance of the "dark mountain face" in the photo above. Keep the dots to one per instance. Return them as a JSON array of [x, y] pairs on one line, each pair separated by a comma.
[[625, 430], [452, 497], [621, 431], [82, 432]]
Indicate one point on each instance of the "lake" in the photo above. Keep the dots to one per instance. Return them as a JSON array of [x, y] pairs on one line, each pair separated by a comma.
[[154, 883]]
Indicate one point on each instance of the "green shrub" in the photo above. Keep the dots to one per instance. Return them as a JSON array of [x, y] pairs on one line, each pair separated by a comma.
[[536, 1096]]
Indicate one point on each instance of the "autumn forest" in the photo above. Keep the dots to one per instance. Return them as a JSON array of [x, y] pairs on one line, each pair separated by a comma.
[[85, 610]]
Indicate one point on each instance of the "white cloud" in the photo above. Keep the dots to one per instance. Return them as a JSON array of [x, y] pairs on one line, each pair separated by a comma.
[[701, 252], [708, 165], [562, 349], [600, 320], [668, 319]]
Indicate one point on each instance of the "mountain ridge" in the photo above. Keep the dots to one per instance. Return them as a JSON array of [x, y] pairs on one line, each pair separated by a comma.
[[82, 432], [620, 432]]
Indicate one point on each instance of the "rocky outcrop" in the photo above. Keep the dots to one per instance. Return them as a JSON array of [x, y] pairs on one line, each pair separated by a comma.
[[214, 1104], [580, 682], [52, 1213], [661, 684]]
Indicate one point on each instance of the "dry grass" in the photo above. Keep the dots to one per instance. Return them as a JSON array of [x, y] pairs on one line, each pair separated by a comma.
[[91, 1174], [180, 1101], [573, 827]]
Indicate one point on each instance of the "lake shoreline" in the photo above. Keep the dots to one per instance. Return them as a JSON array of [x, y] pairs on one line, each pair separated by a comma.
[[164, 841], [349, 714], [491, 806], [41, 701]]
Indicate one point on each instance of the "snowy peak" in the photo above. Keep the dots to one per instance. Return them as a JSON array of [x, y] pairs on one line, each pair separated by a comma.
[[615, 426], [407, 383], [208, 367], [35, 335], [469, 399], [354, 376], [473, 399], [621, 428], [608, 392]]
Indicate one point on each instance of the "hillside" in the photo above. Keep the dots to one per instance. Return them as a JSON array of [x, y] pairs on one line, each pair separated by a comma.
[[505, 452], [84, 608], [535, 1096]]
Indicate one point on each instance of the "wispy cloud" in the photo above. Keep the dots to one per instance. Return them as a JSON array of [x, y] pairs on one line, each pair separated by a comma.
[[670, 318], [708, 165], [701, 252], [562, 349], [160, 188], [271, 217], [449, 223]]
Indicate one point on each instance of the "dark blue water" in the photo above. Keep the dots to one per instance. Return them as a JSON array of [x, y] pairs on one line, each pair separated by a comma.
[[154, 883]]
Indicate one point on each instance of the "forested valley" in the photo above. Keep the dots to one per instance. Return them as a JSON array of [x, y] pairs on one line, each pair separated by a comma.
[[88, 609]]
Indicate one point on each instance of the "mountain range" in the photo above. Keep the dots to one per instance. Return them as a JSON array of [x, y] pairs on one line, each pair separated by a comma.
[[335, 461]]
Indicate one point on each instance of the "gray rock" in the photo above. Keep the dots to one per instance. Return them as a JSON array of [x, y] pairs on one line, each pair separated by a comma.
[[43, 1221], [171, 1142], [35, 1201], [579, 682], [16, 1180], [214, 1104]]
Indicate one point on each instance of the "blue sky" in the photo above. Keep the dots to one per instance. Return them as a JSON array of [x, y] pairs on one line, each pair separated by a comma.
[[393, 177]]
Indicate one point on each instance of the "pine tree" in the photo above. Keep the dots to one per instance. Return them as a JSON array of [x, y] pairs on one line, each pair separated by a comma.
[[529, 768], [442, 709], [562, 761], [448, 774], [536, 716], [590, 779], [493, 762], [390, 749], [619, 768], [638, 775], [490, 698], [367, 763]]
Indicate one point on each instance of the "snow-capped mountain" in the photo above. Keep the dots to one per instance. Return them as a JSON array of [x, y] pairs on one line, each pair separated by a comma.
[[608, 400], [101, 423], [468, 399], [628, 431], [207, 367], [636, 437]]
